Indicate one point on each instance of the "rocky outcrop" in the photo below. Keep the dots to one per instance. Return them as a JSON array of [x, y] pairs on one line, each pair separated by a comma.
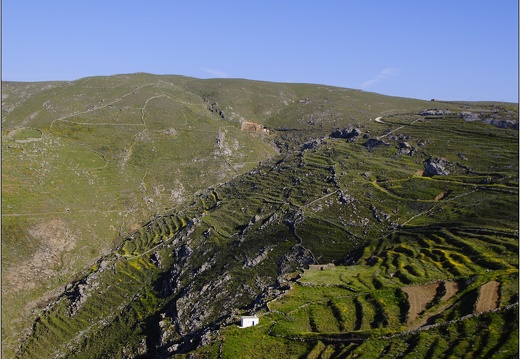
[[251, 262], [404, 148], [253, 127], [512, 124], [378, 215], [312, 144], [495, 119], [436, 167], [470, 116], [214, 107], [434, 112], [374, 142], [399, 137], [348, 133]]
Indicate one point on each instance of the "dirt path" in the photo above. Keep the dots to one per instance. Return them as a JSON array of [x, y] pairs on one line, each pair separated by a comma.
[[306, 205], [488, 297], [437, 205], [397, 129], [64, 118]]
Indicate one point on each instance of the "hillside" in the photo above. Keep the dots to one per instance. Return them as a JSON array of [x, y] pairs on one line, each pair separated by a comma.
[[167, 206]]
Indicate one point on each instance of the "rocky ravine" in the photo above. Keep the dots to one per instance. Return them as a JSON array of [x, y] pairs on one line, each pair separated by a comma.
[[171, 285]]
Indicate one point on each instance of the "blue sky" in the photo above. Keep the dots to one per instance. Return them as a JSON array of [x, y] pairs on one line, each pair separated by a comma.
[[446, 49]]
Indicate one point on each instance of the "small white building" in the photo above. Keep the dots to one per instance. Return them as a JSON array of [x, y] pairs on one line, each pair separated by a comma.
[[248, 321]]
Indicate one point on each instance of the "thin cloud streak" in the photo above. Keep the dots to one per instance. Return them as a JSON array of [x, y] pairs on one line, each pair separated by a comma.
[[215, 73], [381, 76]]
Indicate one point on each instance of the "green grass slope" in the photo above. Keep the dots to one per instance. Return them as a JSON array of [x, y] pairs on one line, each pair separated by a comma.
[[85, 163], [121, 162]]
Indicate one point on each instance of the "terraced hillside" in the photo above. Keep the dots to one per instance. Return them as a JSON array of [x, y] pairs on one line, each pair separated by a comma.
[[422, 206], [339, 313]]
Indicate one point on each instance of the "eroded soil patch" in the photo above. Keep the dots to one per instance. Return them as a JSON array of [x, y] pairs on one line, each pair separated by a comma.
[[419, 297], [488, 297], [55, 239], [452, 288]]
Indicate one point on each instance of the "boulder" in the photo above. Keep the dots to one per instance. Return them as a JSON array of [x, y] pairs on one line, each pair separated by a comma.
[[461, 156], [374, 142], [512, 124], [436, 167], [470, 116], [312, 144], [348, 133], [404, 148]]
